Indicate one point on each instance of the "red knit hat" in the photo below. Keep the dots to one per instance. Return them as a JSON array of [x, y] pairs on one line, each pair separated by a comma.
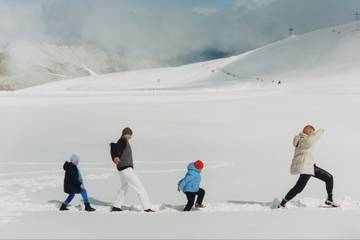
[[199, 164]]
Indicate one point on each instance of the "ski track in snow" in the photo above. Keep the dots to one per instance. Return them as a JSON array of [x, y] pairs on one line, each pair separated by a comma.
[[14, 200]]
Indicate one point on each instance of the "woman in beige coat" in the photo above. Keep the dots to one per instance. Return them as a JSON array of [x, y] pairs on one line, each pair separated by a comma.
[[303, 164]]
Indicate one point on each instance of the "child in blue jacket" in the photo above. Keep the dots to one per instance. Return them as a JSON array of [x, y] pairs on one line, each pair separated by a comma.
[[190, 185], [73, 184]]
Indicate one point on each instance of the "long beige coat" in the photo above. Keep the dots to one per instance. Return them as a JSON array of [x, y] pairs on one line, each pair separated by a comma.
[[303, 161]]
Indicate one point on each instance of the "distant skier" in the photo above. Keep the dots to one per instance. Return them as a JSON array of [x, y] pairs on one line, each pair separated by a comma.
[[121, 154], [73, 183], [190, 185], [303, 164]]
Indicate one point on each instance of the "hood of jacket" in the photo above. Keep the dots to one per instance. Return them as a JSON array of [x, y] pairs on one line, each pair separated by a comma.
[[191, 167], [68, 165]]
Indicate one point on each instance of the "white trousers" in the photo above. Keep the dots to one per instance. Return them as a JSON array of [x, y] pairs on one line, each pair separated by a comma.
[[128, 178]]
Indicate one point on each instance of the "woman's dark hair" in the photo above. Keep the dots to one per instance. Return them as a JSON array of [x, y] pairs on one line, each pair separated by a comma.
[[127, 131]]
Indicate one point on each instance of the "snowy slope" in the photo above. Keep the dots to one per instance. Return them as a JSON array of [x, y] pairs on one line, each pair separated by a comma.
[[174, 77], [328, 51], [240, 126]]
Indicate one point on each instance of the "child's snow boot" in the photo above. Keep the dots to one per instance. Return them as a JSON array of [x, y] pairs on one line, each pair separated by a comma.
[[88, 208], [199, 206], [63, 207], [115, 209]]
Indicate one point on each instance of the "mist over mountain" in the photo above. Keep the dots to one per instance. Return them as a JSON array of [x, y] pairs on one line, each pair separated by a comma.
[[124, 35]]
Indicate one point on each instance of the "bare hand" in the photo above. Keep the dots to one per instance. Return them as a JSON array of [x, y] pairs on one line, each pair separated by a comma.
[[117, 160], [82, 186]]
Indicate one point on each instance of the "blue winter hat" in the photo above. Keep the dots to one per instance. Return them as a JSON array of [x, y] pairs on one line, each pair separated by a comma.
[[74, 158]]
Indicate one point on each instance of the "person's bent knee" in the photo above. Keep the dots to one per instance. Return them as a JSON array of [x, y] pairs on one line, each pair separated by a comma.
[[331, 178]]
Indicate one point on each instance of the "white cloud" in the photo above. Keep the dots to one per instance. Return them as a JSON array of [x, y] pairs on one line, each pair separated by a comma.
[[151, 33], [205, 11], [18, 22], [251, 4]]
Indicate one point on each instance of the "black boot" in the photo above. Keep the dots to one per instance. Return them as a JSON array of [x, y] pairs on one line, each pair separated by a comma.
[[115, 209], [88, 208], [149, 210], [330, 202], [282, 204], [63, 207]]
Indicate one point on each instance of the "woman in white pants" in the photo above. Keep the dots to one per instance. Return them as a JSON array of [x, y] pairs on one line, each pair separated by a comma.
[[122, 157]]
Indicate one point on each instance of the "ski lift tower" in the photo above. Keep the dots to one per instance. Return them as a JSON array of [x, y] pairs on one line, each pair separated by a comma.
[[291, 32], [357, 17]]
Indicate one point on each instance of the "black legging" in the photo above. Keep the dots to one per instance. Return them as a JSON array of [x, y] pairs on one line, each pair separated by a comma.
[[191, 198], [304, 178]]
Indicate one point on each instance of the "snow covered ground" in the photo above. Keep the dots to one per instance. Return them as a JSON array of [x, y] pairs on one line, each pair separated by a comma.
[[231, 113]]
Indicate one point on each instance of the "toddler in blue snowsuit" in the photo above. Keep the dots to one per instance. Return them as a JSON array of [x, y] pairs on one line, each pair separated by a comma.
[[73, 184], [190, 185]]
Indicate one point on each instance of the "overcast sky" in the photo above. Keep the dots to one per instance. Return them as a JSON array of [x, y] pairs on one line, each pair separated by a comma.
[[164, 29]]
